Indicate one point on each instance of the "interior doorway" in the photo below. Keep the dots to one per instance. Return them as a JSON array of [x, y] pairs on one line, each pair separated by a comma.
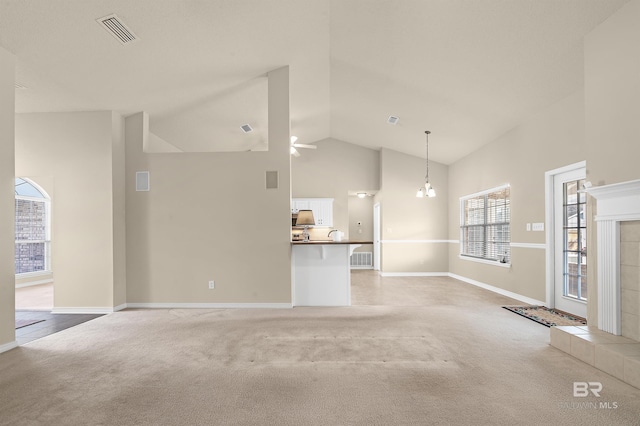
[[567, 240], [33, 273]]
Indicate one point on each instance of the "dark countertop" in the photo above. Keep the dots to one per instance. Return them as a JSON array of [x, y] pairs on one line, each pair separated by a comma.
[[318, 242]]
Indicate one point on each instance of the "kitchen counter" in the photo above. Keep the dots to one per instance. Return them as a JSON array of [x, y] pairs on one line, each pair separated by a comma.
[[321, 272]]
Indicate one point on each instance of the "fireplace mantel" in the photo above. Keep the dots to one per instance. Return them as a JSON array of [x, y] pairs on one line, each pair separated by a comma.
[[617, 202]]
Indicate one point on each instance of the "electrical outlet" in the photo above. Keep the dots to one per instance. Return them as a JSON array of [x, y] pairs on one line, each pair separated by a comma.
[[212, 285]]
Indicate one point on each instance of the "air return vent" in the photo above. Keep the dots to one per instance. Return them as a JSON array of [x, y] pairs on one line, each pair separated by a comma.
[[118, 29]]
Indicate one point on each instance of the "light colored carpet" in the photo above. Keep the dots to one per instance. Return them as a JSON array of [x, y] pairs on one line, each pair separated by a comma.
[[429, 351]]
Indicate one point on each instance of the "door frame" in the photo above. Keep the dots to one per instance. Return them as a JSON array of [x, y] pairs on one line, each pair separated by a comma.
[[376, 237], [549, 197]]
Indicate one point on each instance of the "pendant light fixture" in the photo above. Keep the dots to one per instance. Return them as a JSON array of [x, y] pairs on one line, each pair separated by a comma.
[[426, 190]]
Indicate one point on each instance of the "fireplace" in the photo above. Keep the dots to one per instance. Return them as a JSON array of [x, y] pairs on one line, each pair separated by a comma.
[[618, 259]]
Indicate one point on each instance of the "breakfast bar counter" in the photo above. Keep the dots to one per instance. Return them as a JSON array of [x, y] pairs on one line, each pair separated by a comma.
[[321, 272]]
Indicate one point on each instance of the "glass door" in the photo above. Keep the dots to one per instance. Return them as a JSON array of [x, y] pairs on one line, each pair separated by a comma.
[[570, 236]]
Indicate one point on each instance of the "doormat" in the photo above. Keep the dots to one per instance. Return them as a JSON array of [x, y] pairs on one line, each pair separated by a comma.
[[25, 322], [547, 317]]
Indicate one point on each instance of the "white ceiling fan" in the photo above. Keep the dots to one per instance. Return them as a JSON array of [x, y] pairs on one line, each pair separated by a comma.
[[295, 145]]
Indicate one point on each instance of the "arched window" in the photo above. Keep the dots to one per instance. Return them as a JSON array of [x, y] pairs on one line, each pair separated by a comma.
[[33, 233]]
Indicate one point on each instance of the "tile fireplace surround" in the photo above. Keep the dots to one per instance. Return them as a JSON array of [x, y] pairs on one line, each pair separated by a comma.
[[617, 203], [613, 346]]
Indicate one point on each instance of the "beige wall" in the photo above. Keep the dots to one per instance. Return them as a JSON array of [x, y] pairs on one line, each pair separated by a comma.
[[612, 108], [208, 216], [74, 150], [331, 171], [7, 200], [119, 211], [551, 139], [406, 217], [612, 97]]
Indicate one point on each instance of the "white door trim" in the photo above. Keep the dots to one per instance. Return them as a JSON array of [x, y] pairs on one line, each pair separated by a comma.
[[550, 226], [376, 237]]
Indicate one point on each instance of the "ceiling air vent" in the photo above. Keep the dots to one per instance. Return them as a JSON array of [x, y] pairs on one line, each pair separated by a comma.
[[392, 120], [117, 28], [246, 128]]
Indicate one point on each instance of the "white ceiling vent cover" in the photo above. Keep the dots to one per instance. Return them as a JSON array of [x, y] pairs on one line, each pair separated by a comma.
[[118, 29], [392, 120]]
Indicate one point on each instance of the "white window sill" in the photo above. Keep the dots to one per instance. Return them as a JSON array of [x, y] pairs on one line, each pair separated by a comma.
[[32, 274], [486, 262]]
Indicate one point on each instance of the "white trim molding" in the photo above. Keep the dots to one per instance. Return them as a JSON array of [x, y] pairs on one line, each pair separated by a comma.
[[498, 290], [549, 177], [82, 310], [414, 274], [529, 245], [8, 346], [419, 241], [32, 283], [617, 203], [484, 261], [210, 305]]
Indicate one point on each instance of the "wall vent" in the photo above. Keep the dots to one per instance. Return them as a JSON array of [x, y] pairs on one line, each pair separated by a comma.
[[117, 29], [246, 128], [362, 260], [392, 120]]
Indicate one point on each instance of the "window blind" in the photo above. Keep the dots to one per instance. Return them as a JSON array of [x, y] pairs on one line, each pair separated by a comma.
[[485, 225]]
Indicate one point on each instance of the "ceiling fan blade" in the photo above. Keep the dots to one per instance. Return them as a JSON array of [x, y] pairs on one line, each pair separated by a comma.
[[295, 152], [301, 145]]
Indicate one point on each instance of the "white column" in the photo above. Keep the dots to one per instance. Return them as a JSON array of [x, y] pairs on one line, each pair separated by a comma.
[[609, 309]]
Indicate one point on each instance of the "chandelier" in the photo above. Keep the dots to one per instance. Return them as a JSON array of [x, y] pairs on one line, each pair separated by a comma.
[[426, 190]]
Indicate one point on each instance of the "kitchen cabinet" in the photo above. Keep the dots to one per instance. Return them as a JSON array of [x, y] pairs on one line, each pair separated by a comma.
[[322, 209]]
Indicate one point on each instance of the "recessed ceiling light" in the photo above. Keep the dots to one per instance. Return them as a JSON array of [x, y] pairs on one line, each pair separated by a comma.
[[392, 120], [246, 128]]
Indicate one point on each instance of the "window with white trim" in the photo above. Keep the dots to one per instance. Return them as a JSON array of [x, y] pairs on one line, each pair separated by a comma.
[[485, 225], [33, 233]]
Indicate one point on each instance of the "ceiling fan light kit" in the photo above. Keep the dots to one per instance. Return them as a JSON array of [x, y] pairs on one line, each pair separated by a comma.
[[293, 148]]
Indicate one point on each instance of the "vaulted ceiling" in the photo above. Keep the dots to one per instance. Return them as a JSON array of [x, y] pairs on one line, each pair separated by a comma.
[[468, 70]]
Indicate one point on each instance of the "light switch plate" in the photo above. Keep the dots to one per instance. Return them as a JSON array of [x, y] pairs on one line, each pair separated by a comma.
[[528, 227], [539, 226]]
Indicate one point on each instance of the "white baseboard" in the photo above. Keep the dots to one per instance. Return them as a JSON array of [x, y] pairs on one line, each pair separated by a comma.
[[8, 346], [498, 290], [120, 307], [210, 305], [414, 274], [82, 310]]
